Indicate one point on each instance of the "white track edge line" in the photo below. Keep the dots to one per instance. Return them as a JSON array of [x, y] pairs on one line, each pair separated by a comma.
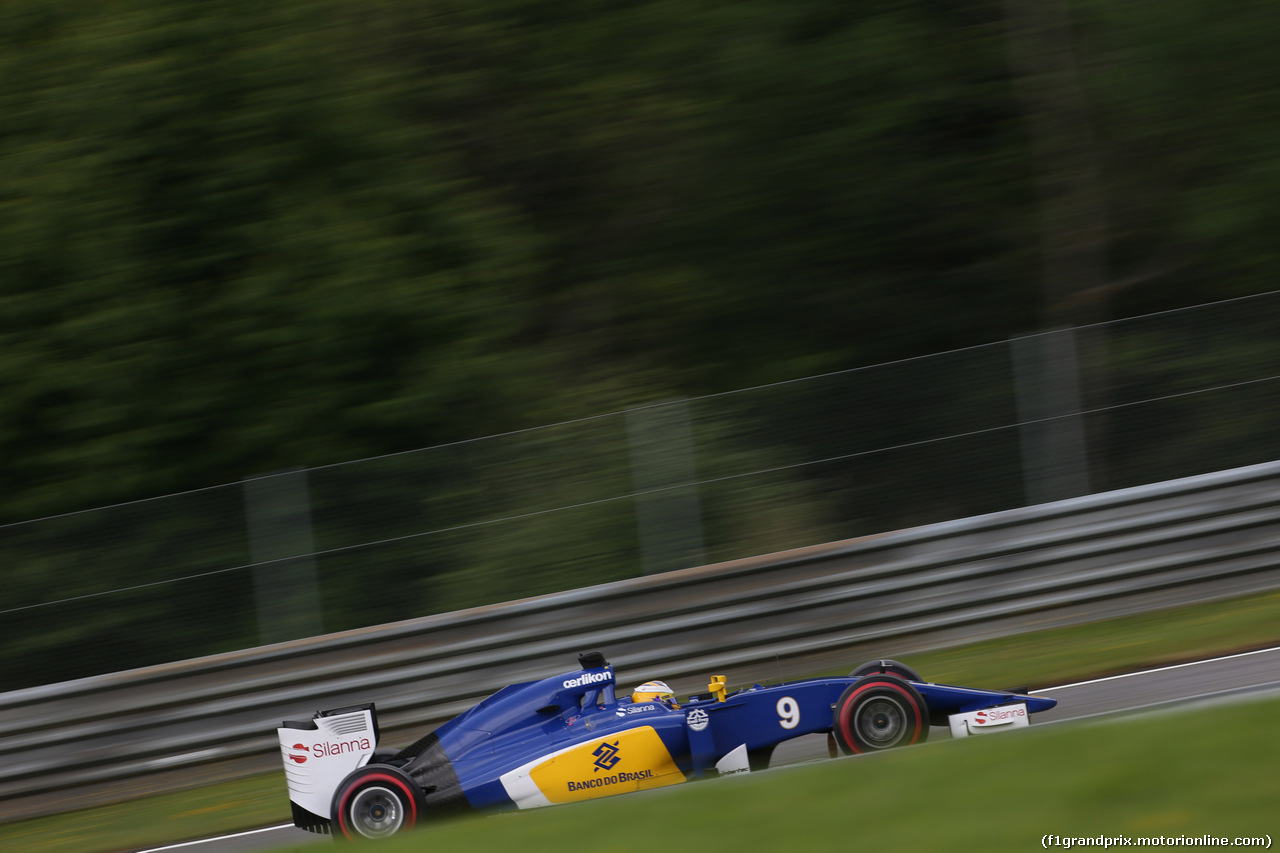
[[1157, 669], [217, 838]]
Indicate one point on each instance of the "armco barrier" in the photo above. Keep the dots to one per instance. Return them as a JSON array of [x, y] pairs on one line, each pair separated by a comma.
[[1206, 536]]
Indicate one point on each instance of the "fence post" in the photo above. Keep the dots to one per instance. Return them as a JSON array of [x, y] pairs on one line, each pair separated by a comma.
[[281, 545], [663, 475], [1055, 460]]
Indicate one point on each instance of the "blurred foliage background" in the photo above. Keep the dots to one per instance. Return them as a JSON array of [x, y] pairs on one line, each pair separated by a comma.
[[238, 238]]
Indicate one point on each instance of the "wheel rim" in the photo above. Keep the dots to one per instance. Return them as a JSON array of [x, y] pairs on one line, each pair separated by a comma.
[[376, 812], [881, 722]]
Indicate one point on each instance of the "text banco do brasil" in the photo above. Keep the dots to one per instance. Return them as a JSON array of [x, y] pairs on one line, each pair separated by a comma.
[[615, 779]]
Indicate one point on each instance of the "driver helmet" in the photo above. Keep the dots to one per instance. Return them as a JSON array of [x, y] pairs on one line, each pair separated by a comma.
[[653, 690]]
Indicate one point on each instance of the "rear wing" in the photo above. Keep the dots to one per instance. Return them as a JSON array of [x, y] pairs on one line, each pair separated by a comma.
[[319, 753]]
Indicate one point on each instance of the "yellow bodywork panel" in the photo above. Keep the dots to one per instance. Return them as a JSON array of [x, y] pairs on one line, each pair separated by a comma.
[[633, 760]]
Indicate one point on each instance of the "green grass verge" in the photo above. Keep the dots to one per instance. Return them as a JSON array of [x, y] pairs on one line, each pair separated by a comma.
[[156, 820], [1040, 658], [1062, 655]]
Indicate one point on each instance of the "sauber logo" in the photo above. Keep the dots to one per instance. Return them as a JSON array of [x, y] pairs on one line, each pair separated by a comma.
[[300, 759], [999, 716], [606, 756], [588, 678]]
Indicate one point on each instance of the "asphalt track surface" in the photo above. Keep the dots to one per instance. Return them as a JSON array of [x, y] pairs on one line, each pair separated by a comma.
[[1233, 676]]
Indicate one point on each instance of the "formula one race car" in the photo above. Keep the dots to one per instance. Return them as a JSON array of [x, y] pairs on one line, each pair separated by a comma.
[[570, 738]]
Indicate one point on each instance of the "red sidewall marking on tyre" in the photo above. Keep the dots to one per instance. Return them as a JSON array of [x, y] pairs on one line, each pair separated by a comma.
[[376, 777], [845, 715]]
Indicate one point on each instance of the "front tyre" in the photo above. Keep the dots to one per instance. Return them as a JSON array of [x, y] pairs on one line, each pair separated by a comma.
[[879, 712], [374, 802]]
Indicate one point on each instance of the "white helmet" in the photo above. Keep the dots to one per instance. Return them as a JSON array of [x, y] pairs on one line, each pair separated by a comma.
[[653, 690]]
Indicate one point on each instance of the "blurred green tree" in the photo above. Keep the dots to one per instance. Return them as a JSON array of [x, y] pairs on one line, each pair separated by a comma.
[[237, 238]]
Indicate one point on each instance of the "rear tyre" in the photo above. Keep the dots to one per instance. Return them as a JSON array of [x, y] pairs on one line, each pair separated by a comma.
[[374, 802], [891, 667], [879, 712]]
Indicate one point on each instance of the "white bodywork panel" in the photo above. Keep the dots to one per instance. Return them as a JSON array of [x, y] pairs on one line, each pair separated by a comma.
[[989, 720], [735, 762], [315, 761]]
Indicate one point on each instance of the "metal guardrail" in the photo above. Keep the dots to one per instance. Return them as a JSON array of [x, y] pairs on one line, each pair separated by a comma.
[[1201, 537]]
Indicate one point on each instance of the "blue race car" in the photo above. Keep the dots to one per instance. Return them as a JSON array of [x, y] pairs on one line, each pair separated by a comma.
[[571, 738]]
